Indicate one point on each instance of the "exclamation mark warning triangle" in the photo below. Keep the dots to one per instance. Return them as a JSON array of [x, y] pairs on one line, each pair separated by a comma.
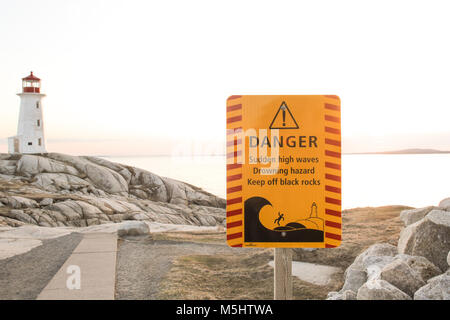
[[283, 119]]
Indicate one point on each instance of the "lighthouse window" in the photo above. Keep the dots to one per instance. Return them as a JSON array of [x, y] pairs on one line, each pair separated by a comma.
[[30, 143], [40, 141], [37, 105], [39, 123]]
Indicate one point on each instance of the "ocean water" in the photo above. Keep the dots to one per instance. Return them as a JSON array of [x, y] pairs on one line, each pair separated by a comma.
[[416, 180]]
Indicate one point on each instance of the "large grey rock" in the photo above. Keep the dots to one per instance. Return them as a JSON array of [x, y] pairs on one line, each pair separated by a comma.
[[30, 165], [429, 237], [374, 264], [19, 215], [367, 266], [399, 274], [437, 288], [9, 178], [102, 177], [380, 290], [105, 163], [139, 193], [445, 204], [371, 261], [92, 221], [176, 191], [46, 202], [105, 179], [75, 210], [43, 219], [413, 215], [376, 250], [420, 265], [152, 185], [342, 295], [133, 228], [56, 182], [17, 202], [183, 193], [8, 167]]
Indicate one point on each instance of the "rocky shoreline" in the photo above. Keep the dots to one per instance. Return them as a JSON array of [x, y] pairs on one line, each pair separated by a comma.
[[417, 268], [58, 190]]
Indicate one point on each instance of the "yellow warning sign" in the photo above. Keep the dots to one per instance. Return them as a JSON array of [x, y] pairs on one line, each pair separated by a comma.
[[283, 171]]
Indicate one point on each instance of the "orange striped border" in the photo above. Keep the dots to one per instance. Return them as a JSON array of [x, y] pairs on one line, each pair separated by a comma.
[[234, 209], [333, 219]]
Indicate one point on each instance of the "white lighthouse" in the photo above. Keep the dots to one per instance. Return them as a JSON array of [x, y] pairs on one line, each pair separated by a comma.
[[30, 131]]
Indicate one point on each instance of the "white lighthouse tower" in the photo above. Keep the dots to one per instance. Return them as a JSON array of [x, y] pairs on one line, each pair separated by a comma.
[[30, 131]]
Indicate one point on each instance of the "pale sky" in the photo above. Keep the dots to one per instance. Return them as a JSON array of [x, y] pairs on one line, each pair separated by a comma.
[[145, 77]]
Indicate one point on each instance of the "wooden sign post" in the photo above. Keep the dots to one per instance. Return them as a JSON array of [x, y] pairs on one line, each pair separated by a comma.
[[282, 274], [284, 176]]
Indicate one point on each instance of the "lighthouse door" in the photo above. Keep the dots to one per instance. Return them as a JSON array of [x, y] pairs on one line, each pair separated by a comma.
[[16, 145]]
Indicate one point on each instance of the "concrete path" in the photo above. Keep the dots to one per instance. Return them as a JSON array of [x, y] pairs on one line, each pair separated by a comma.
[[95, 258]]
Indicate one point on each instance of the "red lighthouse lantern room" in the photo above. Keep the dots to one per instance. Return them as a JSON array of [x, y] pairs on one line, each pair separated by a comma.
[[31, 84]]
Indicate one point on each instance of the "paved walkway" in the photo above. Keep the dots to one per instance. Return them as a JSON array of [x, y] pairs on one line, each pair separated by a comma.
[[96, 258]]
